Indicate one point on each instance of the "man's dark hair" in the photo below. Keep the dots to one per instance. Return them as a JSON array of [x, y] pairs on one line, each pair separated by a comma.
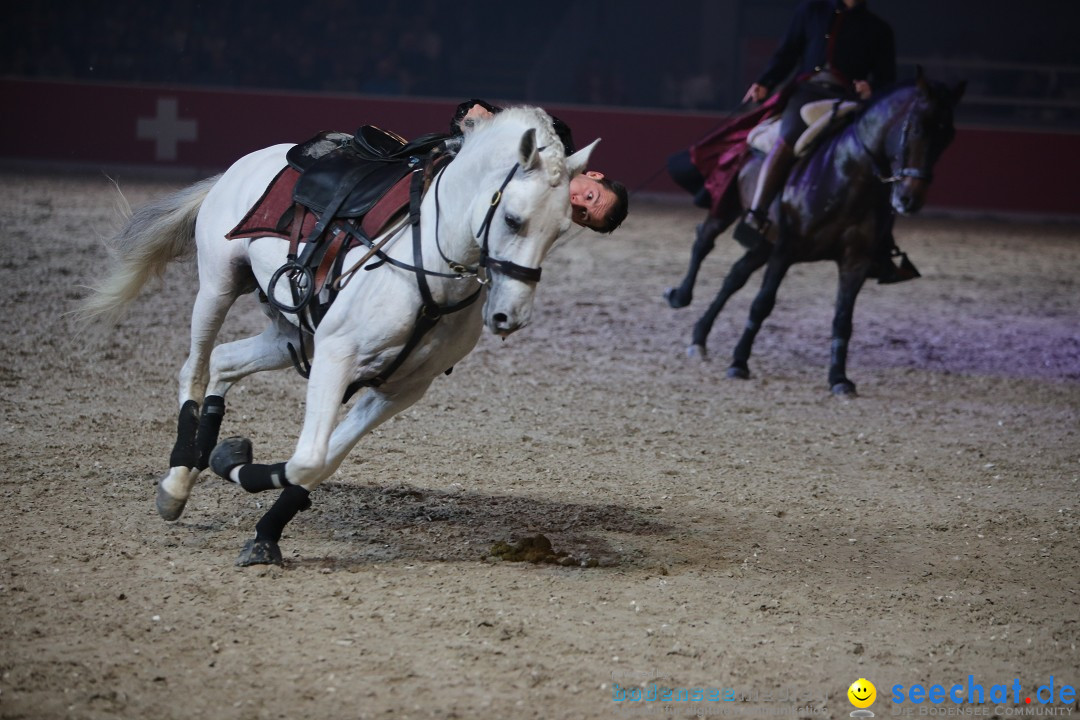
[[619, 208]]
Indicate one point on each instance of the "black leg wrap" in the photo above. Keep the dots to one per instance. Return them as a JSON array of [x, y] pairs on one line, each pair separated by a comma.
[[292, 500], [185, 453], [256, 478], [213, 410]]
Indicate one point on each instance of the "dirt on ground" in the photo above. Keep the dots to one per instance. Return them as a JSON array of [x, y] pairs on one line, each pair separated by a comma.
[[761, 540]]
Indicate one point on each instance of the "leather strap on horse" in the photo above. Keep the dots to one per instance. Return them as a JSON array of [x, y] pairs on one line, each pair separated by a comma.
[[430, 312], [435, 163], [348, 182], [504, 267], [302, 267]]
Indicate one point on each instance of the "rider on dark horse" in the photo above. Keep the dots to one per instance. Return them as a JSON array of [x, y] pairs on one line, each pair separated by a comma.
[[839, 50]]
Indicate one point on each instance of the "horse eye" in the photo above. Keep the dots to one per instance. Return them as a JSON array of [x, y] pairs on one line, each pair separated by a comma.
[[514, 223]]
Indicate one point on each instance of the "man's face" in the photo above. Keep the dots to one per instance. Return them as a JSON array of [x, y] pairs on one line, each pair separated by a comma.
[[591, 201]]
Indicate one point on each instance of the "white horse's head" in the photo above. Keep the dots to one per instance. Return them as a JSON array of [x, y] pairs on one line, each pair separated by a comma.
[[520, 205]]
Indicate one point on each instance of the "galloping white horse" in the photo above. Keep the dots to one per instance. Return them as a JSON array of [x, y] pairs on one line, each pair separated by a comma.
[[485, 226]]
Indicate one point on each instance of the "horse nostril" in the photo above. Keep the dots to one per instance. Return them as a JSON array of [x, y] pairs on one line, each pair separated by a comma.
[[499, 318]]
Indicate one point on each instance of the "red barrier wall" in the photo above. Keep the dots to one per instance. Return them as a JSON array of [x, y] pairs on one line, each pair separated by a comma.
[[986, 170]]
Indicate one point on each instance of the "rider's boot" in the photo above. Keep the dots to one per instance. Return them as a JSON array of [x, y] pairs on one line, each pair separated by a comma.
[[750, 233]]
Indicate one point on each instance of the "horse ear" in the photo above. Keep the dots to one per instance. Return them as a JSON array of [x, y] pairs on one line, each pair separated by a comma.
[[528, 153], [920, 80], [577, 162]]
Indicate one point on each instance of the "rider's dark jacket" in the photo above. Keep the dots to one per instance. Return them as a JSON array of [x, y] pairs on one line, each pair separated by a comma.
[[854, 44]]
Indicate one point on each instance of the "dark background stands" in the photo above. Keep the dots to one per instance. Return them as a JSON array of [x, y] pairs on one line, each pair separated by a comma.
[[1020, 59]]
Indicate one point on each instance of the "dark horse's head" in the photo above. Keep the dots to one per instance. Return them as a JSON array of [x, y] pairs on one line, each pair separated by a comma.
[[914, 125]]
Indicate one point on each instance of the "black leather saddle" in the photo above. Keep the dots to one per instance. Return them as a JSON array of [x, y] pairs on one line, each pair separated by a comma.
[[347, 174]]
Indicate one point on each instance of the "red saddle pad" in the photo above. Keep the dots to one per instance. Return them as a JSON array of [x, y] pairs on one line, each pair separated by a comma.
[[264, 219]]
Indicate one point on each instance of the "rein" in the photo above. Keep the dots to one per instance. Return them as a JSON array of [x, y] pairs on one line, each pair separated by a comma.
[[459, 271], [430, 311]]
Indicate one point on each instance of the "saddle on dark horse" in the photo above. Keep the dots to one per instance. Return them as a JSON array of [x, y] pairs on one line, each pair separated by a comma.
[[338, 191]]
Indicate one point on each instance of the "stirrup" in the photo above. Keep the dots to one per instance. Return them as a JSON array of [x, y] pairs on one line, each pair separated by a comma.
[[750, 233], [892, 274]]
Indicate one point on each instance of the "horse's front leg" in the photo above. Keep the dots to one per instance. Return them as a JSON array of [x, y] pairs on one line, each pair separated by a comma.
[[736, 278], [319, 452], [232, 458], [851, 281], [704, 242], [759, 310]]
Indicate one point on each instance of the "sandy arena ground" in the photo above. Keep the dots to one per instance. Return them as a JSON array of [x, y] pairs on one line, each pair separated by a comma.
[[757, 535]]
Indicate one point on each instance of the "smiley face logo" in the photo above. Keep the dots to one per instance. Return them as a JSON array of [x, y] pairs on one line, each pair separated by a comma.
[[862, 693]]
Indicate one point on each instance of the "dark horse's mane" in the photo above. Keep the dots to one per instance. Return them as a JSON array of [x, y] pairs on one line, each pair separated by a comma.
[[938, 93], [882, 96], [885, 93]]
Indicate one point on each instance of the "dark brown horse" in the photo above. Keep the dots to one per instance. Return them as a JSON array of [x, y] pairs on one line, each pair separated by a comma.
[[837, 205]]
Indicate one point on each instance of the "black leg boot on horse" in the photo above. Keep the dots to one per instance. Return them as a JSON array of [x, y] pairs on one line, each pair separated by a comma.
[[751, 232]]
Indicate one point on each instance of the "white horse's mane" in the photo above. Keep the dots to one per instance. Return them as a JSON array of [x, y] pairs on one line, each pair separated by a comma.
[[522, 117]]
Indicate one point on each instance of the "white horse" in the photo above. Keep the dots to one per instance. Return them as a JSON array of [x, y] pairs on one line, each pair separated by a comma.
[[485, 226]]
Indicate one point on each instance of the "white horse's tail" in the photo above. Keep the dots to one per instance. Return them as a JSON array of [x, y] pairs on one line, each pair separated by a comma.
[[153, 236]]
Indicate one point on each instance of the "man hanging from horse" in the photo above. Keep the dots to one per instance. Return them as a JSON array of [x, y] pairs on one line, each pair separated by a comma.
[[599, 203]]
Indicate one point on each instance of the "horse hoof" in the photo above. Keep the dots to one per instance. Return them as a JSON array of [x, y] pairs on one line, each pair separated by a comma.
[[674, 299], [697, 352], [844, 388], [169, 508], [738, 373], [229, 453], [259, 552]]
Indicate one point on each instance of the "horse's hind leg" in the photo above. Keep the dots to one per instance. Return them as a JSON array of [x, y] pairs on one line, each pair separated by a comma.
[[229, 363], [704, 242], [759, 310], [234, 361], [736, 278], [186, 461]]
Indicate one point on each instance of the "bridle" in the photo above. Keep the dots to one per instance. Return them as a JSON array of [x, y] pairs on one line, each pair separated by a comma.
[[889, 175], [503, 267], [430, 311], [458, 270]]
